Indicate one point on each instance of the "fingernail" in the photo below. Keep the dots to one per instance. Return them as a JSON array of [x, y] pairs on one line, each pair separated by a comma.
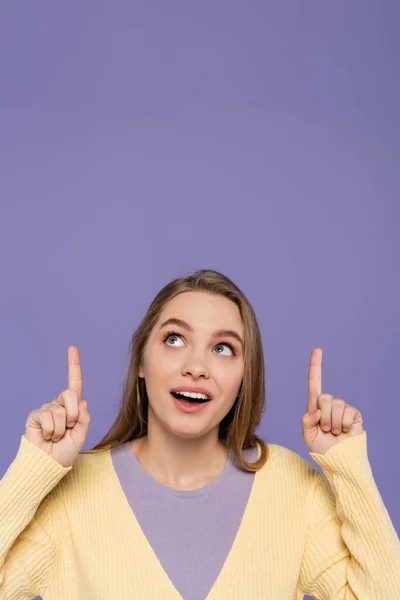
[[325, 427]]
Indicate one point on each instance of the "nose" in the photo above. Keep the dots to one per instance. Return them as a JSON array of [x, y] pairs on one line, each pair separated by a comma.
[[196, 367]]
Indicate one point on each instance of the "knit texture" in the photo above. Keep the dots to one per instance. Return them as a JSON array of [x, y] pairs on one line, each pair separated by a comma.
[[69, 533]]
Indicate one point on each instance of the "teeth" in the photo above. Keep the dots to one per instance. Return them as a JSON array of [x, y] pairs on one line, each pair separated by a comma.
[[193, 395]]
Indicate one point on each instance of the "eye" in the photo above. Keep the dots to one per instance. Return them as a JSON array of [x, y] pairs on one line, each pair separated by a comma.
[[170, 335], [173, 334], [228, 346]]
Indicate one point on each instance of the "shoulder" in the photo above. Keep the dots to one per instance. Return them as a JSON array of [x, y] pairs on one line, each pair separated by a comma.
[[92, 465], [290, 468], [88, 475]]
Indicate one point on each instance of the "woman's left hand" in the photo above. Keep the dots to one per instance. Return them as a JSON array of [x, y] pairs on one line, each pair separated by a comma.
[[328, 420]]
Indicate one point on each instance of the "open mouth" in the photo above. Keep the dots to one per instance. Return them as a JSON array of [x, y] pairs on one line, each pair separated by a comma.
[[187, 399]]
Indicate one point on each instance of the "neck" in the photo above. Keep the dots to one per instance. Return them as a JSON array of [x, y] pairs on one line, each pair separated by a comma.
[[181, 463]]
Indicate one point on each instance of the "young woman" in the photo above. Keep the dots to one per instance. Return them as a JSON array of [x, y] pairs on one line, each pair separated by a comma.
[[181, 499]]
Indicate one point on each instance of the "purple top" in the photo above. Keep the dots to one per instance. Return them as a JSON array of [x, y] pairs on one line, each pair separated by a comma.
[[190, 531]]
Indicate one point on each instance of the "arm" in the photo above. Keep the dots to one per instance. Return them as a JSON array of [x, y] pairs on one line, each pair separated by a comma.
[[352, 550], [28, 541]]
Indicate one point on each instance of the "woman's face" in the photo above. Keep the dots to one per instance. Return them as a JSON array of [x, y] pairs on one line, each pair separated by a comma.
[[193, 358]]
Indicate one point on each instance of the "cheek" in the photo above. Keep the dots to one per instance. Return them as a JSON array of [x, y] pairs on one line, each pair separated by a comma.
[[159, 365], [229, 381]]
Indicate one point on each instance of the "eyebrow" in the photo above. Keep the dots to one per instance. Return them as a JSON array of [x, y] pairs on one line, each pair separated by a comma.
[[218, 333]]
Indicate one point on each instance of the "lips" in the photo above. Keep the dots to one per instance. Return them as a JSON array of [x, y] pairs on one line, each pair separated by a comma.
[[196, 390]]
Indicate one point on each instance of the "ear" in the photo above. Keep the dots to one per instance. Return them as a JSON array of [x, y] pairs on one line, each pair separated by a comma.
[[140, 372]]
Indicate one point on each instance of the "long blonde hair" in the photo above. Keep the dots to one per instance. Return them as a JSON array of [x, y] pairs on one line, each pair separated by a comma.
[[237, 428]]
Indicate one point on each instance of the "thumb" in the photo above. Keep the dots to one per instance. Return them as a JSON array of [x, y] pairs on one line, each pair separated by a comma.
[[83, 417], [310, 420]]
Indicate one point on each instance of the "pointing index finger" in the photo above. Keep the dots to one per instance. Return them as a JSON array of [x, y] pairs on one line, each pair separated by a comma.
[[74, 371], [314, 379]]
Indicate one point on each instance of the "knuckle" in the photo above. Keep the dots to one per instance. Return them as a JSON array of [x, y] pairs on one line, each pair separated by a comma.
[[45, 406], [338, 402]]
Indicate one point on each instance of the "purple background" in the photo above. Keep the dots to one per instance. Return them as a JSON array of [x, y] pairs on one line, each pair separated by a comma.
[[141, 141]]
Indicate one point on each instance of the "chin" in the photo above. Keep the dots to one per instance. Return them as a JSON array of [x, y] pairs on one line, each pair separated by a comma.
[[188, 432]]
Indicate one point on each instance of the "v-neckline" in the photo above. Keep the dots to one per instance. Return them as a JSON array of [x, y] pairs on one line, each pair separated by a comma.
[[148, 558]]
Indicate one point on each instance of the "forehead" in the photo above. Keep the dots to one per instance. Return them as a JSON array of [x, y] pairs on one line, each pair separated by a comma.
[[204, 311]]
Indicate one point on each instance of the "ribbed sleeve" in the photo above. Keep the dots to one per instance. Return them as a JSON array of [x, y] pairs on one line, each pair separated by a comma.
[[27, 553], [352, 550]]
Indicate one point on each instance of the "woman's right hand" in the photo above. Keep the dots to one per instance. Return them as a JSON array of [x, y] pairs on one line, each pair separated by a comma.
[[60, 427]]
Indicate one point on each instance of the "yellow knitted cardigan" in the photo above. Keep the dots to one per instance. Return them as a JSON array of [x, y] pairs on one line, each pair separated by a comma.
[[70, 533]]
